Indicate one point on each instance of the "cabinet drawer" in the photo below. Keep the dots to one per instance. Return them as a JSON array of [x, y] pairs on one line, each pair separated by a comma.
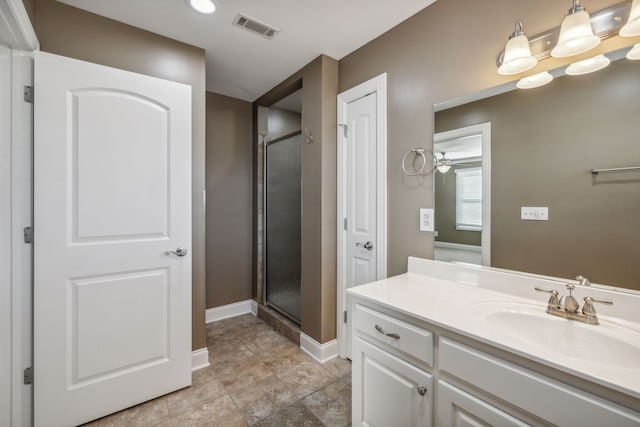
[[396, 333], [551, 400]]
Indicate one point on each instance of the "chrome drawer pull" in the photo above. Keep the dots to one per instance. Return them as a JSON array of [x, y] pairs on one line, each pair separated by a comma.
[[422, 390], [379, 329]]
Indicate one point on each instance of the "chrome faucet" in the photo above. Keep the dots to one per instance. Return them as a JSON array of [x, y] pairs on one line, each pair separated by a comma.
[[567, 306]]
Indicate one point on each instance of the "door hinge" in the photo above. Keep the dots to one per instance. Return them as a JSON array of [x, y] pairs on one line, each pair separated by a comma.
[[345, 129], [345, 316], [345, 224], [28, 94], [28, 234], [28, 376]]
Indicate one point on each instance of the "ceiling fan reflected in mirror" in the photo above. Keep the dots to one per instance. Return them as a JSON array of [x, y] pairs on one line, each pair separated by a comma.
[[443, 165]]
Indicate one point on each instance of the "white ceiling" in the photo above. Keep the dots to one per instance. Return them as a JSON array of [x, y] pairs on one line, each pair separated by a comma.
[[244, 65]]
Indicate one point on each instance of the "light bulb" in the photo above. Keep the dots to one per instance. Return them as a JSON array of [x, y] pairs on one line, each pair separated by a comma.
[[632, 27], [576, 35], [517, 55], [634, 53]]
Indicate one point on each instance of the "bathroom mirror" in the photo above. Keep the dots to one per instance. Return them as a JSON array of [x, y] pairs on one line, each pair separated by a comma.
[[545, 144]]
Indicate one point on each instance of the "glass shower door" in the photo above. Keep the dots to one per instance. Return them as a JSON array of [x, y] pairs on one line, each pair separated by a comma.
[[283, 221]]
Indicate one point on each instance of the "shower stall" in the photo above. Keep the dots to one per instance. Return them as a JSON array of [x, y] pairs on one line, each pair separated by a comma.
[[283, 175]]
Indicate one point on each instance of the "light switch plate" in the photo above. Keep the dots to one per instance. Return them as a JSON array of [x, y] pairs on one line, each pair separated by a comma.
[[426, 219], [534, 213]]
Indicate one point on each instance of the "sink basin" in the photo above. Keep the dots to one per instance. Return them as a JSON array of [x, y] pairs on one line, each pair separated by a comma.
[[608, 343]]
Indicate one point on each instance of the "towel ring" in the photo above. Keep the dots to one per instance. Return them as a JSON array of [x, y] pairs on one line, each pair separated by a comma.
[[419, 152]]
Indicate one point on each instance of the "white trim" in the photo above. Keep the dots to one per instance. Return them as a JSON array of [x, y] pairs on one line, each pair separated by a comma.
[[449, 245], [199, 359], [16, 30], [254, 307], [230, 310], [483, 129], [321, 353], [22, 254], [379, 86]]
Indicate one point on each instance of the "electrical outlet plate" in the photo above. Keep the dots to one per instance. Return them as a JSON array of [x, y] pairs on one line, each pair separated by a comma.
[[528, 213], [426, 219]]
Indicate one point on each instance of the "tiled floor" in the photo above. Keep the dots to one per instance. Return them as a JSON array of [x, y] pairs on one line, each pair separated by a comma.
[[257, 377]]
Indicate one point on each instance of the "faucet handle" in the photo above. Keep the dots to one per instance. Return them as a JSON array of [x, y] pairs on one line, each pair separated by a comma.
[[589, 309], [553, 299], [583, 281]]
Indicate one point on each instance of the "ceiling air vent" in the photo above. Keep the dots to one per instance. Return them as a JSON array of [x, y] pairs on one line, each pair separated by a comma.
[[255, 26]]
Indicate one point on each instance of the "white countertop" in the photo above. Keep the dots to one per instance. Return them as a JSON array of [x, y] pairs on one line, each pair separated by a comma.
[[427, 295]]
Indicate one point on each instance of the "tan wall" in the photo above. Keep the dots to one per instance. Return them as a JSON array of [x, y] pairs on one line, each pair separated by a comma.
[[544, 143], [445, 210], [74, 33], [320, 84], [229, 179], [447, 50], [282, 122]]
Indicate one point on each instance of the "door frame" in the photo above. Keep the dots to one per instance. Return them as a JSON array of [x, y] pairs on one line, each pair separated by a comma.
[[377, 85], [483, 129], [18, 34]]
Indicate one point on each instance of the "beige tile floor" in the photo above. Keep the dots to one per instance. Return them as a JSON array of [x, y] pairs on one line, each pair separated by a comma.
[[257, 377]]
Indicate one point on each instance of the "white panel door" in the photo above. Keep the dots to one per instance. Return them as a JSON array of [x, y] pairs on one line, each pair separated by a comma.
[[112, 194], [361, 191], [361, 197]]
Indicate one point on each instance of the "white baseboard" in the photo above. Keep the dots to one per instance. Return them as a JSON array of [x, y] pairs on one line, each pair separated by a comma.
[[460, 246], [199, 359], [231, 310], [321, 353]]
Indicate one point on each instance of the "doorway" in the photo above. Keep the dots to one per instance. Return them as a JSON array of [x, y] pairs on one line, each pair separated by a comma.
[[462, 195], [362, 194], [283, 207]]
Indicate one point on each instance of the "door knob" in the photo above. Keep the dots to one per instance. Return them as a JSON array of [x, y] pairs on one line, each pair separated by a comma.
[[181, 251], [368, 246]]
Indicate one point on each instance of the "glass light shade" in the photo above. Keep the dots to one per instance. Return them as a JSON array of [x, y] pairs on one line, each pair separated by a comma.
[[632, 27], [203, 6], [587, 66], [634, 53], [444, 167], [535, 80], [517, 56], [576, 36]]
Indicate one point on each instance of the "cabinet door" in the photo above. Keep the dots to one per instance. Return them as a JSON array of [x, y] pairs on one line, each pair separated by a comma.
[[387, 391], [459, 409]]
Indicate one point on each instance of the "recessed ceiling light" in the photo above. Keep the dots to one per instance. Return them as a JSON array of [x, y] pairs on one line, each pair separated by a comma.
[[203, 6]]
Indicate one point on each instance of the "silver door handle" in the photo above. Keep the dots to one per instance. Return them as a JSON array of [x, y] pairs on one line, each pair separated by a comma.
[[181, 251]]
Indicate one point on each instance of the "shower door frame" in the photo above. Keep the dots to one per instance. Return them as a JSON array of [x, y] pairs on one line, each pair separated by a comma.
[[266, 142]]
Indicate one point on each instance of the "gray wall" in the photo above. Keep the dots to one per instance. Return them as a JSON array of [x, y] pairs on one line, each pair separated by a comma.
[[318, 285], [445, 210], [440, 53], [544, 143], [229, 175], [74, 33]]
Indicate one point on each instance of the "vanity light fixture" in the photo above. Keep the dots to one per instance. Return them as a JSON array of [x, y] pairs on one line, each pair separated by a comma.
[[203, 6], [634, 53], [589, 65], [517, 54], [576, 33], [535, 80], [632, 27]]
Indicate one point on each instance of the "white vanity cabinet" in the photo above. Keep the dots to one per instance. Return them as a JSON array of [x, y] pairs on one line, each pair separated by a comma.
[[391, 384], [420, 360]]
